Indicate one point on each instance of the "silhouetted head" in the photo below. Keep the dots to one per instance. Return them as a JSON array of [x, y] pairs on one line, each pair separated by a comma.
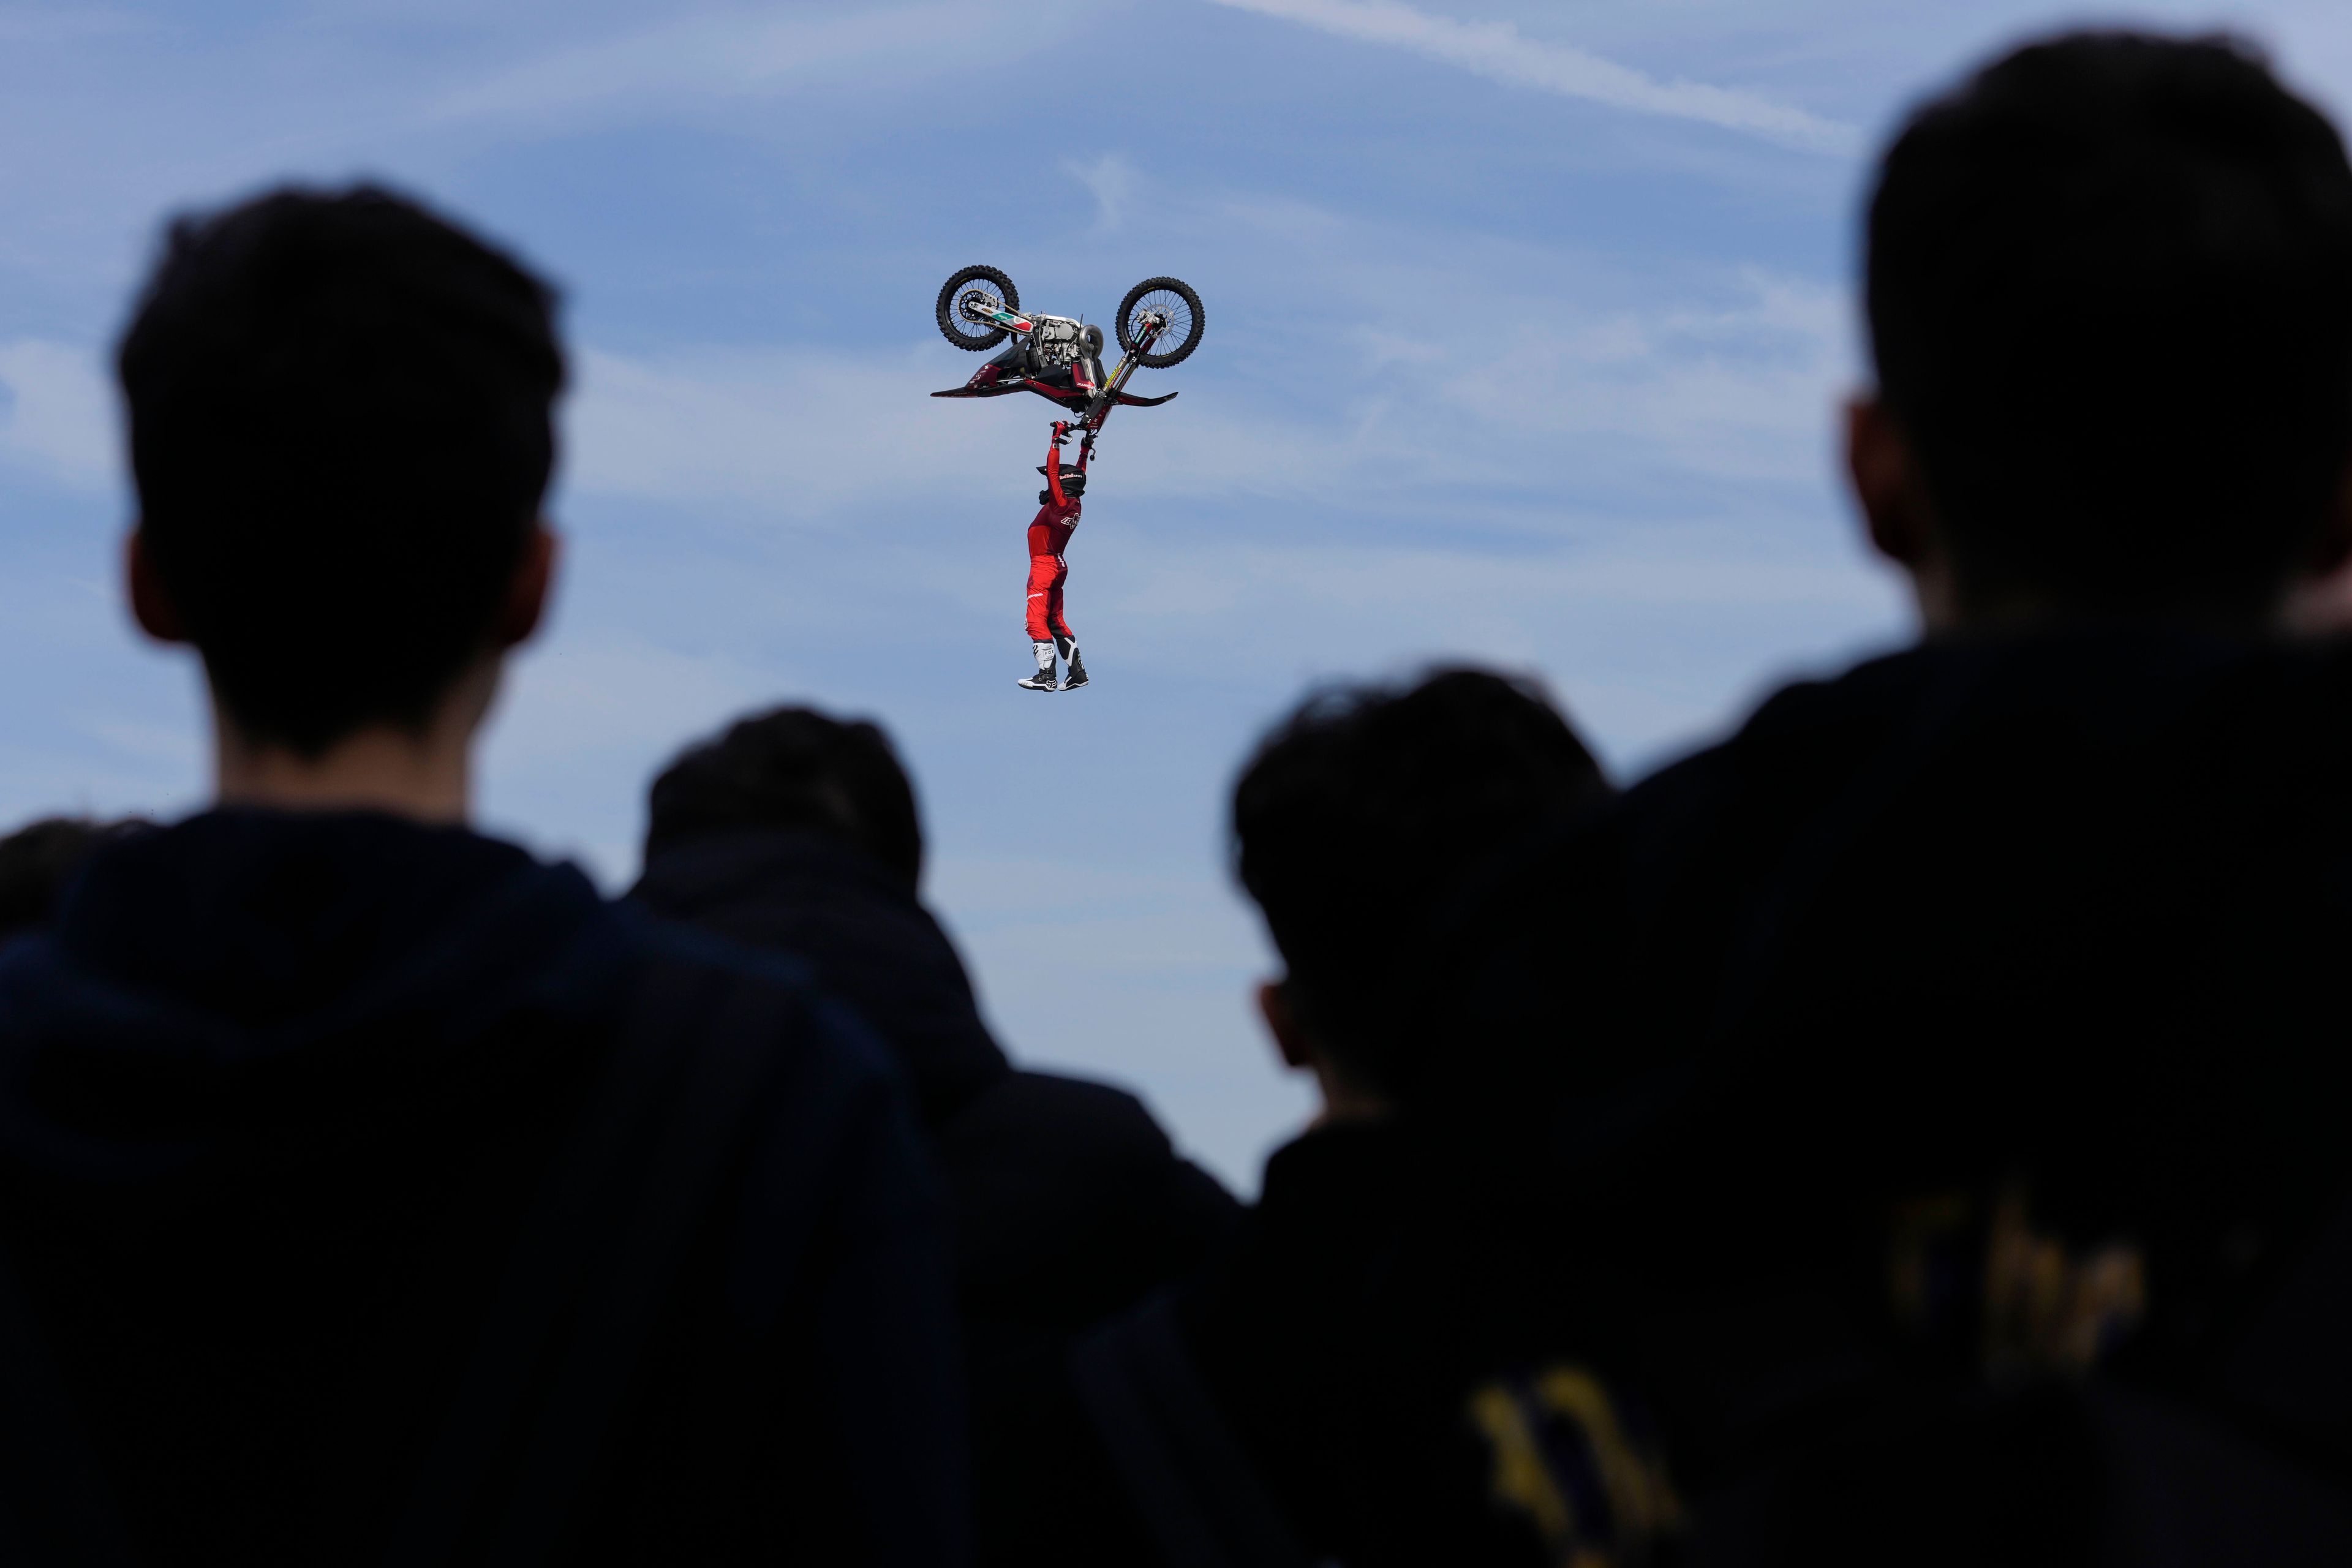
[[341, 430], [2109, 284], [793, 768], [1357, 818]]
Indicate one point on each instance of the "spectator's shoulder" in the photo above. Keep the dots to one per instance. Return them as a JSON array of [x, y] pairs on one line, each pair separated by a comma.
[[824, 1028], [1047, 1121], [1040, 1162], [1798, 721], [1798, 741]]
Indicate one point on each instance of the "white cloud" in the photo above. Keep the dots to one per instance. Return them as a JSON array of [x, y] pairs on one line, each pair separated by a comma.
[[1402, 359], [792, 433], [58, 413], [1416, 596], [23, 25], [618, 692], [1111, 180], [738, 52], [1497, 51], [1743, 390]]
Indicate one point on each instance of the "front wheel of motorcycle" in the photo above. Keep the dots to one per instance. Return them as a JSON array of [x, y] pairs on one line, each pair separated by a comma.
[[974, 284], [1178, 309]]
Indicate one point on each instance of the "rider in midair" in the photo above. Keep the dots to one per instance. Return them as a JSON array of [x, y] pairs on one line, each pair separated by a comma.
[[1049, 536]]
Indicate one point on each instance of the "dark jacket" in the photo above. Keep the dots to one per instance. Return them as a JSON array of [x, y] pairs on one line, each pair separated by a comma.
[[299, 1116], [1402, 1347], [1973, 1019], [1067, 1202]]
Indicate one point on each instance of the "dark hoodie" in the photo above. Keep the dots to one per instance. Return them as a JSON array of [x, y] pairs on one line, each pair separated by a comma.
[[1066, 1202], [1379, 1346], [1973, 1018], [280, 1097]]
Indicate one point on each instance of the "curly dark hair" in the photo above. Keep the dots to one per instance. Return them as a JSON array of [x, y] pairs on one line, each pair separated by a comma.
[[1355, 816], [2109, 282], [342, 430]]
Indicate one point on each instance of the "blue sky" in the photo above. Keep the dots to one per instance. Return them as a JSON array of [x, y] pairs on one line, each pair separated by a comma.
[[1525, 330]]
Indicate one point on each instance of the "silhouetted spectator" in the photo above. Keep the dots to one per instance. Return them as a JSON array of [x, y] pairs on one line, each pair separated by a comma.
[[800, 832], [372, 1191], [1372, 1375], [1975, 1019], [40, 858]]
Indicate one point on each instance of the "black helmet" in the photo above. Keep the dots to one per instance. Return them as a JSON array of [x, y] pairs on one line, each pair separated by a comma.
[[1073, 480]]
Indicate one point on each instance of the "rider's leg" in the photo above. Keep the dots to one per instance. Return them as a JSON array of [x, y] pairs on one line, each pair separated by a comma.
[[1044, 600], [1055, 627], [1065, 641]]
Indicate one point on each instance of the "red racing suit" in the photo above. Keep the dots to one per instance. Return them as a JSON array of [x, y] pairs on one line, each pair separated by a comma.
[[1049, 536]]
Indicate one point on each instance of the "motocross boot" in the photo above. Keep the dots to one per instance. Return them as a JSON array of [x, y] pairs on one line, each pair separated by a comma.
[[1078, 673], [1044, 680]]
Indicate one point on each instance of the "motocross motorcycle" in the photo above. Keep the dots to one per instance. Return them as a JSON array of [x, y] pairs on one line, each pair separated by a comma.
[[1060, 358]]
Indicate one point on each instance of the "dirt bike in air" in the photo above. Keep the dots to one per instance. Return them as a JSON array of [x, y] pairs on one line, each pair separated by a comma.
[[1059, 358]]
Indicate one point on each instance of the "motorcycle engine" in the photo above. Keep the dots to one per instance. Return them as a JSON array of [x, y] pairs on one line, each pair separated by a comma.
[[1058, 341]]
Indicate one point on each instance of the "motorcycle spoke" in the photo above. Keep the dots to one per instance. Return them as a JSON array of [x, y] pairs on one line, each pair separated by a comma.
[[1170, 307], [979, 300]]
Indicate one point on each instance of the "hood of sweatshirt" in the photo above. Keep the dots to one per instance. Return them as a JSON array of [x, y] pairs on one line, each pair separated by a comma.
[[249, 981], [870, 940]]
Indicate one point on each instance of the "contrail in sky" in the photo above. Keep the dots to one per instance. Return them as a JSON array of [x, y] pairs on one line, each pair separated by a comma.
[[1496, 50]]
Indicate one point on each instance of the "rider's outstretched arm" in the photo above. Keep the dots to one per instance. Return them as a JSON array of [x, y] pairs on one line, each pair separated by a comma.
[[1054, 468]]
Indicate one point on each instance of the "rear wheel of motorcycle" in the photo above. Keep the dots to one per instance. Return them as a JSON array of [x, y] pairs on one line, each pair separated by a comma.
[[1173, 299], [959, 328]]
